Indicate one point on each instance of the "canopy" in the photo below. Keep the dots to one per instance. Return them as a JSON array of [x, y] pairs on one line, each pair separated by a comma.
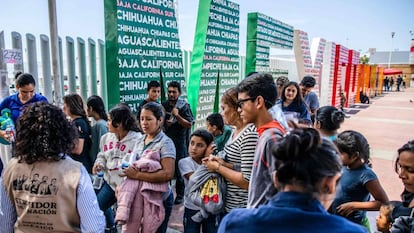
[[390, 71]]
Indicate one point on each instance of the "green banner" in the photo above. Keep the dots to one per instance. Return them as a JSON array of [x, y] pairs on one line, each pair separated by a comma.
[[264, 32], [141, 41], [215, 53]]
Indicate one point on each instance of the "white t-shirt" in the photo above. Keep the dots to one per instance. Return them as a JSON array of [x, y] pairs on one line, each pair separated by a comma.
[[188, 165]]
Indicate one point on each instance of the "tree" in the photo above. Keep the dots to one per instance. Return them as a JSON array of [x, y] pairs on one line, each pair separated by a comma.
[[364, 59]]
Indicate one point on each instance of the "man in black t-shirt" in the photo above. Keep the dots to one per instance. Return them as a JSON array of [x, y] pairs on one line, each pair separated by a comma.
[[178, 122]]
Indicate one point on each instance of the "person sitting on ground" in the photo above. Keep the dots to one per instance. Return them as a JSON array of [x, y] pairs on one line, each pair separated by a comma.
[[307, 169], [220, 131]]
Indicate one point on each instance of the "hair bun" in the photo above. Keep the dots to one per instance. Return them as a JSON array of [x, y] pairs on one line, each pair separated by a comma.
[[18, 74], [337, 117], [297, 144]]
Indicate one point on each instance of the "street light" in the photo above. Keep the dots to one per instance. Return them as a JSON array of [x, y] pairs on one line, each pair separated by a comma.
[[389, 56]]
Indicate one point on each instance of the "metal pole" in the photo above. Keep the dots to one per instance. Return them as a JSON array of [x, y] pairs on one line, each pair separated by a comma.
[[70, 61], [57, 94], [4, 79], [47, 76], [92, 83], [83, 78], [389, 56], [17, 44], [32, 58], [61, 75], [102, 68]]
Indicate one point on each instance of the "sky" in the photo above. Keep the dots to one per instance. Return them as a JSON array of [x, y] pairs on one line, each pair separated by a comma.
[[356, 24]]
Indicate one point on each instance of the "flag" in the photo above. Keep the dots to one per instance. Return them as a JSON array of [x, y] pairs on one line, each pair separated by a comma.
[[162, 86], [217, 95]]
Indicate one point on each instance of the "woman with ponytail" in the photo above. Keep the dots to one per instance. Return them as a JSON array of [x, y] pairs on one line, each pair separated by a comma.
[[73, 108], [96, 110]]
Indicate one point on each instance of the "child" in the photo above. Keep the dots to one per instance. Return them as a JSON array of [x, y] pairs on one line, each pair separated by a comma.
[[199, 147], [358, 180], [384, 220], [140, 207], [220, 131]]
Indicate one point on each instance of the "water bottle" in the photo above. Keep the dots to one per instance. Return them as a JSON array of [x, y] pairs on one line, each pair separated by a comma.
[[98, 180], [10, 133], [124, 165]]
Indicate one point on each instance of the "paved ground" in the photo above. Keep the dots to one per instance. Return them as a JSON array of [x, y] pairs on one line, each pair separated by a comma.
[[387, 123]]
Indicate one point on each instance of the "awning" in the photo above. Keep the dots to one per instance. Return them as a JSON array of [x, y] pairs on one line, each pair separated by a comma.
[[390, 71]]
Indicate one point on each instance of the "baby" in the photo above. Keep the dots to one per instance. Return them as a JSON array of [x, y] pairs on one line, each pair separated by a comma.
[[384, 220]]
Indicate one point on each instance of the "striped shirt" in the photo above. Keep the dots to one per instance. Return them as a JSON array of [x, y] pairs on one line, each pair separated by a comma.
[[240, 151]]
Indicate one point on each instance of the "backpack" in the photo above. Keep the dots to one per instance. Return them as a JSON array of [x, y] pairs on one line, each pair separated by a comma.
[[207, 191]]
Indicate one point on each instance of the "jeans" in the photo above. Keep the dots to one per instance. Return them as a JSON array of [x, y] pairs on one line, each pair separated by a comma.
[[209, 225], [106, 198], [168, 205]]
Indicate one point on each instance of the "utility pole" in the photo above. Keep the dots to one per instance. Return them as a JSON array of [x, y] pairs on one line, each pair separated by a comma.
[[389, 56], [54, 42]]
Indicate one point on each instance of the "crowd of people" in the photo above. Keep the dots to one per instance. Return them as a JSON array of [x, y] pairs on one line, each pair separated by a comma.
[[389, 82], [271, 157]]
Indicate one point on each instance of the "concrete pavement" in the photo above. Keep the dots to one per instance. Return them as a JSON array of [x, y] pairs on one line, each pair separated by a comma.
[[387, 123]]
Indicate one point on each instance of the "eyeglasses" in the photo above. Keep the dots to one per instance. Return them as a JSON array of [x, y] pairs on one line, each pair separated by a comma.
[[240, 102]]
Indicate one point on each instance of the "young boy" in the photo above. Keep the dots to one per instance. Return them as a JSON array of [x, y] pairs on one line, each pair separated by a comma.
[[153, 93], [384, 220], [200, 141], [256, 95], [221, 132]]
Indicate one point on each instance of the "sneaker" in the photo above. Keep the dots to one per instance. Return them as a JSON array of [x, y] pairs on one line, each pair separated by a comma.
[[178, 200]]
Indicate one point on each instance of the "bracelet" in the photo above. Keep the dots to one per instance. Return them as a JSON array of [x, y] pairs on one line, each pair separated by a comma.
[[218, 167]]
